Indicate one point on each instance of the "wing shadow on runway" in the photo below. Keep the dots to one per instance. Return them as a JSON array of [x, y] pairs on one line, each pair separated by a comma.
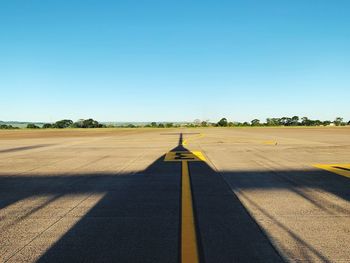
[[137, 220]]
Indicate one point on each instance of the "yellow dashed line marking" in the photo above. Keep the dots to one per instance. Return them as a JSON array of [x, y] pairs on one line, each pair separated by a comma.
[[341, 169]]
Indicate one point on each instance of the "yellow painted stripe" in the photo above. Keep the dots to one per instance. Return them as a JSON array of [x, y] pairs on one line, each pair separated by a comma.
[[341, 169], [185, 142], [189, 249]]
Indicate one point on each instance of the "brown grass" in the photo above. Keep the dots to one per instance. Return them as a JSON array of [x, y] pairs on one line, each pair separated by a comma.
[[52, 133]]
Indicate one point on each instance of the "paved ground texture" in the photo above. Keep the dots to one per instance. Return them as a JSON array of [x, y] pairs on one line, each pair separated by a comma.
[[220, 195]]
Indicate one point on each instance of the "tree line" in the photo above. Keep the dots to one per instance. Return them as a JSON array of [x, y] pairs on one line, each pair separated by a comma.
[[62, 124], [284, 121], [223, 122], [91, 123], [7, 127]]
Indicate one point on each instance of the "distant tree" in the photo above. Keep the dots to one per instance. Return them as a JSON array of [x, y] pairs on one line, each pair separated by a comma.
[[305, 121], [131, 126], [78, 124], [272, 121], [245, 123], [88, 123], [47, 126], [223, 122], [169, 125], [91, 123], [317, 123], [255, 122], [153, 124], [63, 124], [204, 123], [326, 123], [161, 125], [32, 126], [338, 121], [295, 120], [281, 121], [285, 121]]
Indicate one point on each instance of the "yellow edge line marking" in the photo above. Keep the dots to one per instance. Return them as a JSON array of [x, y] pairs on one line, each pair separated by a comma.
[[189, 248], [332, 168]]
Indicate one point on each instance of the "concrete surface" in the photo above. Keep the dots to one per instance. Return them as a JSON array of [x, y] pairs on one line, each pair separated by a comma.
[[108, 196]]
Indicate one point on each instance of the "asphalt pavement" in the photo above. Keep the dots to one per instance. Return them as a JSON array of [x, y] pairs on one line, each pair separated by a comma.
[[253, 196]]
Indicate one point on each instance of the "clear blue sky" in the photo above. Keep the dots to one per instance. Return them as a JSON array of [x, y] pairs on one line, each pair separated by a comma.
[[174, 60]]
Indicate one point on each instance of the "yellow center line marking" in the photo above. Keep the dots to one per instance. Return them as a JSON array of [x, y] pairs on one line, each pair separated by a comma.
[[189, 248], [341, 169]]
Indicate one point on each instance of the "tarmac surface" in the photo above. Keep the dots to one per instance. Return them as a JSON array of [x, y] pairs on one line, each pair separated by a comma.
[[118, 195]]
